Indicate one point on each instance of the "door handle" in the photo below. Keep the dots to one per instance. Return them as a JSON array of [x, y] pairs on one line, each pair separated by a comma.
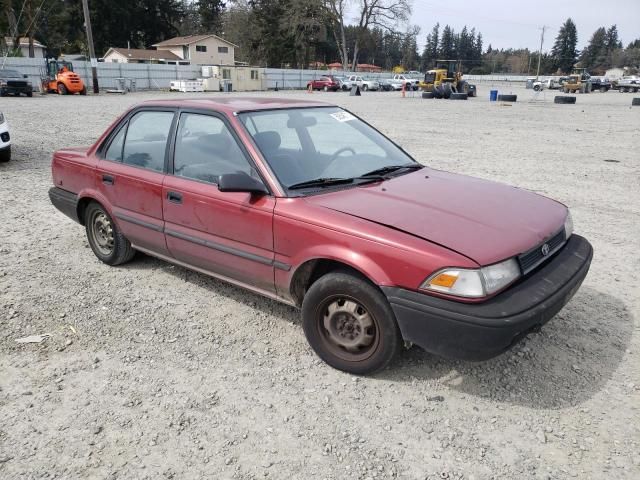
[[174, 197], [108, 179]]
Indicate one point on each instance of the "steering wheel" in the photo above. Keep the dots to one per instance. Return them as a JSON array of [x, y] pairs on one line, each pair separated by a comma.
[[338, 152], [334, 157]]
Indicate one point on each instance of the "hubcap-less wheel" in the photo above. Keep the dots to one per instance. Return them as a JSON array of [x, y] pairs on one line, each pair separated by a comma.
[[347, 329], [102, 231]]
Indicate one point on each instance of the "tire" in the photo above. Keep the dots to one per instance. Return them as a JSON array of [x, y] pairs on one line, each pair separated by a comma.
[[459, 96], [507, 98], [83, 91], [62, 90], [5, 155], [447, 90], [635, 102], [428, 95], [438, 92], [29, 94], [463, 87], [358, 307], [564, 100], [105, 238], [364, 87], [603, 89], [536, 88]]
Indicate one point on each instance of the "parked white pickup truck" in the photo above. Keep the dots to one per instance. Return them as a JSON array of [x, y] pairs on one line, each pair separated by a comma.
[[362, 83], [629, 84], [396, 82]]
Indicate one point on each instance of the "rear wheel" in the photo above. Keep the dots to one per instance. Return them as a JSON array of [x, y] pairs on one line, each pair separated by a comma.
[[447, 90], [349, 323], [603, 89], [105, 238], [365, 87], [62, 90], [29, 94]]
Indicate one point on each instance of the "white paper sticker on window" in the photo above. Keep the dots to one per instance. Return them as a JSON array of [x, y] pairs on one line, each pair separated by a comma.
[[343, 116]]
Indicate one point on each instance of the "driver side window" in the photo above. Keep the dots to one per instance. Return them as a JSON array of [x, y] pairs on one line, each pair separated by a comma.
[[205, 149]]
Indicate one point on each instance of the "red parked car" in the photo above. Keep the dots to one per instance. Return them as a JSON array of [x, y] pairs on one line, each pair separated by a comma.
[[305, 203], [324, 83]]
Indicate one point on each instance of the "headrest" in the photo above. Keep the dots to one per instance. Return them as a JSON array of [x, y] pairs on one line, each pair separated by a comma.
[[268, 141], [215, 142]]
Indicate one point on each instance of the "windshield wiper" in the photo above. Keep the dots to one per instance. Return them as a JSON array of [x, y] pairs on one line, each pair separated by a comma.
[[380, 172], [320, 182]]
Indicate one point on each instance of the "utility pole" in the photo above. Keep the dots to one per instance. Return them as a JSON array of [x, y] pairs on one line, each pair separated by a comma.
[[539, 51], [92, 53]]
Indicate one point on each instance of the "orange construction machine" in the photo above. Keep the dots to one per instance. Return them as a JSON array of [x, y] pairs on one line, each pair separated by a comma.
[[60, 78]]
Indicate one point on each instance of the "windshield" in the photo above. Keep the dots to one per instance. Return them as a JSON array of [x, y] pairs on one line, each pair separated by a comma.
[[9, 74], [305, 144]]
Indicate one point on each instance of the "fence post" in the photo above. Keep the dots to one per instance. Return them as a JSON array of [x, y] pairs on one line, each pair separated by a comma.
[[148, 76]]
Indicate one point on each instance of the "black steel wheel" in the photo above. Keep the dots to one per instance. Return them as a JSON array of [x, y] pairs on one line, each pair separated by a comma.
[[62, 90], [105, 238], [349, 323]]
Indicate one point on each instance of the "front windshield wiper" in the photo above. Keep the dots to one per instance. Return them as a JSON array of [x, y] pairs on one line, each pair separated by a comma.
[[380, 172], [320, 182]]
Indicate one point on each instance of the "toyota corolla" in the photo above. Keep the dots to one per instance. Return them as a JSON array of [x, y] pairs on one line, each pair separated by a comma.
[[307, 204]]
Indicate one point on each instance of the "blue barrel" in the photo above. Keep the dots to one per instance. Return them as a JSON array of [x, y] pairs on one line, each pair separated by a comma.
[[493, 95]]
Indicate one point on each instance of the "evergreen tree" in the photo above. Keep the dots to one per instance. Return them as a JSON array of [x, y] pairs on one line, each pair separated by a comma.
[[210, 13], [564, 49], [430, 53], [594, 53], [447, 44]]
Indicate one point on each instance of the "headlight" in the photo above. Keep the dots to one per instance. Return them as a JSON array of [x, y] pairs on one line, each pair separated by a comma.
[[568, 226], [3, 83], [473, 283]]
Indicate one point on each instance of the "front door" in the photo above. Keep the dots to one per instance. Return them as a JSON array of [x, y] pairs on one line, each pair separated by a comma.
[[130, 176], [226, 233]]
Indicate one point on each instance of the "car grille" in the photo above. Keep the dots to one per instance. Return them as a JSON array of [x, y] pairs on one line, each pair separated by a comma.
[[4, 136], [14, 83], [534, 257]]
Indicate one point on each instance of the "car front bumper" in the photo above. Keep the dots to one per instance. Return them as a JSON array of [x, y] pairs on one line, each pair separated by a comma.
[[16, 90], [479, 331]]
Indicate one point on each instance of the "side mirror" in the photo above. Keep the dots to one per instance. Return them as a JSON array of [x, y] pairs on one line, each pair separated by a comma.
[[241, 182]]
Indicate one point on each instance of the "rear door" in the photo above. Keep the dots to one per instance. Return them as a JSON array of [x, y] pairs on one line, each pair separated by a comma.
[[226, 233], [130, 176]]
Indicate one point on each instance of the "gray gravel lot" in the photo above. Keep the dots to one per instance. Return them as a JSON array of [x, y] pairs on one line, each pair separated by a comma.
[[154, 371]]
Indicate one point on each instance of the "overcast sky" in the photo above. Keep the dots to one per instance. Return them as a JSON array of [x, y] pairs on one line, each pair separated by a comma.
[[517, 23]]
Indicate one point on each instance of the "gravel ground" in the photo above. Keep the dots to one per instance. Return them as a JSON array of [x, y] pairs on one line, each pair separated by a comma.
[[154, 371]]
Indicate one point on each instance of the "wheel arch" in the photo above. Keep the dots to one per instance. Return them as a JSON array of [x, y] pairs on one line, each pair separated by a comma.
[[312, 269], [85, 198]]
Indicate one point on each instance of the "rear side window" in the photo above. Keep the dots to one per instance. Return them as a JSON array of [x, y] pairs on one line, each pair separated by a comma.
[[114, 152], [146, 140]]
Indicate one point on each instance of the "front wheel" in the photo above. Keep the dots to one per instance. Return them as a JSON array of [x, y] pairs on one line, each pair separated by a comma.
[[83, 91], [5, 154], [349, 323], [62, 90], [365, 87], [105, 238]]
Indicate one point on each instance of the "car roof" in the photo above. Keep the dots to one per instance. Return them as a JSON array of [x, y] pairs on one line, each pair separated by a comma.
[[236, 104]]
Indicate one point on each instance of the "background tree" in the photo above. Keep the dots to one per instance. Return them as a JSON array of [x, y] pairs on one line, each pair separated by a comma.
[[210, 13], [564, 49]]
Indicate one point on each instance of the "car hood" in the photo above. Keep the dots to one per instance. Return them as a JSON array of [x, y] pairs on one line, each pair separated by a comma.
[[483, 220]]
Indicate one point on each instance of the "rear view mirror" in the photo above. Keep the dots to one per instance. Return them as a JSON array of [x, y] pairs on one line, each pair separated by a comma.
[[241, 182]]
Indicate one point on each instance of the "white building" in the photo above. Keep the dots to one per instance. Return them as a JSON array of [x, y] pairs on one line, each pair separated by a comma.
[[201, 49], [39, 50]]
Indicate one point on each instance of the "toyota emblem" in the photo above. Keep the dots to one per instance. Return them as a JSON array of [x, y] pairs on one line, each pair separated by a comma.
[[545, 249]]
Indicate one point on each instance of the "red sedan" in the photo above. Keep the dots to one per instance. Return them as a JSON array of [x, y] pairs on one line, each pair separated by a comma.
[[305, 203]]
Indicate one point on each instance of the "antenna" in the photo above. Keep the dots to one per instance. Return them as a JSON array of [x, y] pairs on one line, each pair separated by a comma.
[[544, 27]]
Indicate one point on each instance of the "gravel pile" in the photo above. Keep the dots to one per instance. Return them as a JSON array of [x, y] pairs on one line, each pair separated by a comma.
[[153, 371]]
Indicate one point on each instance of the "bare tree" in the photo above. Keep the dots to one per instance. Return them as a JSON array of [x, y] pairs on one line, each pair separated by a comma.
[[336, 10], [386, 14]]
